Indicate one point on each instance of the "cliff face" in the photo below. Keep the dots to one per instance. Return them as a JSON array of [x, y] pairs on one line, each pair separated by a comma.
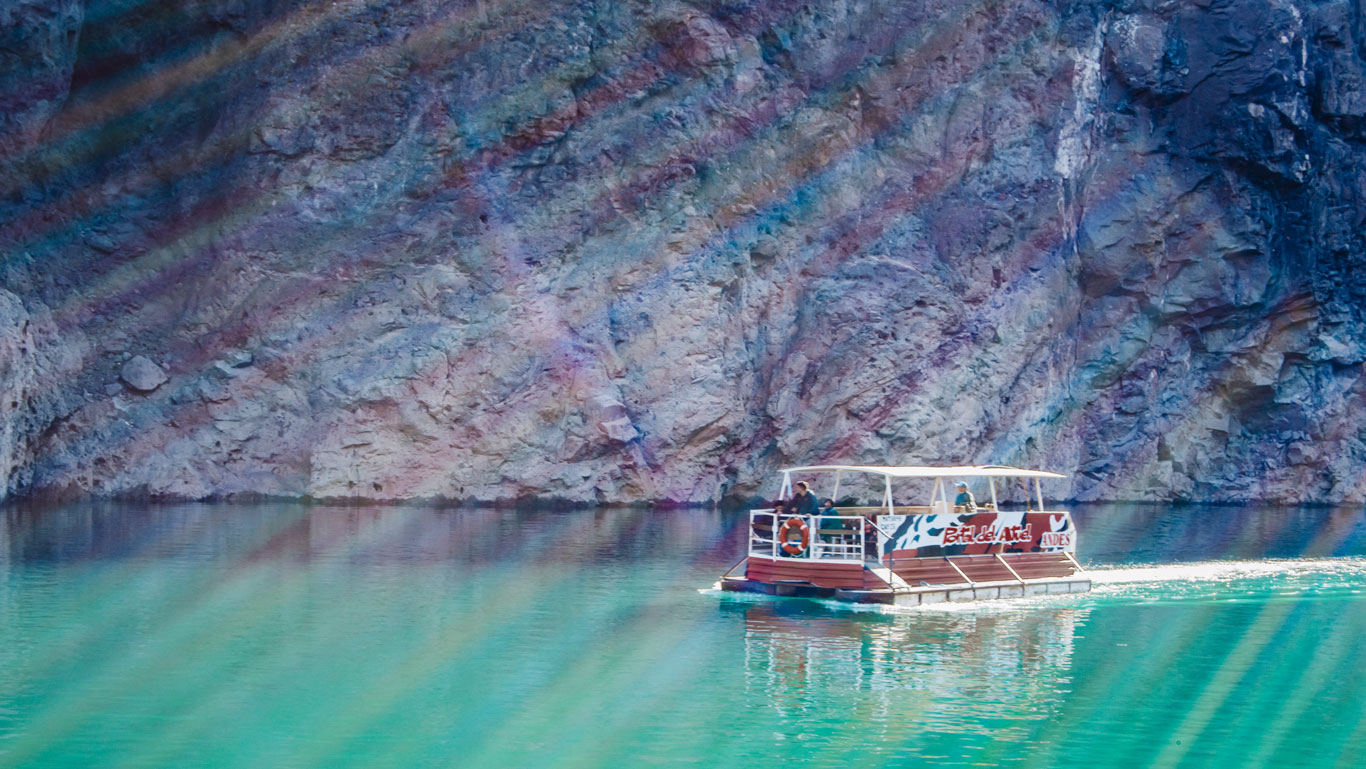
[[613, 251]]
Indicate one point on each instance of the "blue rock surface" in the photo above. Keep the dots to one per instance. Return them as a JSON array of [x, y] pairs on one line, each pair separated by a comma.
[[628, 251]]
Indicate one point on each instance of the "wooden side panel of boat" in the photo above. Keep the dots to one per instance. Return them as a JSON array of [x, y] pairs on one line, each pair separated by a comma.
[[843, 575]]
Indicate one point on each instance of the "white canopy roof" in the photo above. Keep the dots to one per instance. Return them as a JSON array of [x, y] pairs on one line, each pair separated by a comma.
[[913, 471]]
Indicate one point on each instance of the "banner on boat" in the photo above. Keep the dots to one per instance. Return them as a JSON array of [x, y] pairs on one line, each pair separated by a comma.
[[919, 536]]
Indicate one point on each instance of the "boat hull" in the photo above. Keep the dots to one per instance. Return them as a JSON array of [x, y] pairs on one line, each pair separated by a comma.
[[914, 581], [914, 596]]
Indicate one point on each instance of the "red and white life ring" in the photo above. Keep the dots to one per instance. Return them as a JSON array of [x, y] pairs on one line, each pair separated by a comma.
[[792, 548]]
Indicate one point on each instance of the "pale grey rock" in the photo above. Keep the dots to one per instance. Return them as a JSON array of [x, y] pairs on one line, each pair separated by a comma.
[[620, 430], [141, 374], [237, 359], [32, 359], [17, 381]]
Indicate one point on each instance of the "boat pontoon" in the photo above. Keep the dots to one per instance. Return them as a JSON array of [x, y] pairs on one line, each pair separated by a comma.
[[914, 554]]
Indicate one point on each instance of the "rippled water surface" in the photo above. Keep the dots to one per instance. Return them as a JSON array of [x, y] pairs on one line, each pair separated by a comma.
[[293, 636]]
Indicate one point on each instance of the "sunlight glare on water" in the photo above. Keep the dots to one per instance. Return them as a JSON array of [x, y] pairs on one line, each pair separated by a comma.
[[296, 636]]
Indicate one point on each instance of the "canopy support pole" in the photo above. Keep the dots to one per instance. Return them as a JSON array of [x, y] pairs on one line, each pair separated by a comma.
[[1038, 490], [836, 494], [992, 482]]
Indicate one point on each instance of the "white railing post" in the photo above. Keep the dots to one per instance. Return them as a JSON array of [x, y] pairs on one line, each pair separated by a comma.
[[862, 538], [812, 531], [749, 537], [816, 536]]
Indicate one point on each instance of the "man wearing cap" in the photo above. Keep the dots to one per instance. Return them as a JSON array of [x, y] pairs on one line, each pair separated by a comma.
[[964, 500]]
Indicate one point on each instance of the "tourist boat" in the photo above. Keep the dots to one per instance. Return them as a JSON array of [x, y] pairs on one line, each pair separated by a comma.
[[913, 554]]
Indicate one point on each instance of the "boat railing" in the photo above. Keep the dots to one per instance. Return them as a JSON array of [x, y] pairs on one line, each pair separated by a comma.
[[829, 537]]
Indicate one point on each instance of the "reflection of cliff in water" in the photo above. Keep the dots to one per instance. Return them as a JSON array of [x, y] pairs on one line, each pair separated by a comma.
[[297, 534], [930, 665]]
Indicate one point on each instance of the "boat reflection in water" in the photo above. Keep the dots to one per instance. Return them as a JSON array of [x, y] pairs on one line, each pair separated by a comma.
[[926, 667]]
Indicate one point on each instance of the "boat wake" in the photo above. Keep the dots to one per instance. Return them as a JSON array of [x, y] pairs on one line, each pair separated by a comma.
[[1223, 581], [1226, 571], [1203, 581]]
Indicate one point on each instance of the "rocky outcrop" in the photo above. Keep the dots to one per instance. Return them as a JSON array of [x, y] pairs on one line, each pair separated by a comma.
[[612, 252], [15, 383], [31, 359]]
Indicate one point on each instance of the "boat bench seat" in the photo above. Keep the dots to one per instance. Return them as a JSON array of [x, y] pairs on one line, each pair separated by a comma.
[[1040, 565], [932, 571], [983, 568]]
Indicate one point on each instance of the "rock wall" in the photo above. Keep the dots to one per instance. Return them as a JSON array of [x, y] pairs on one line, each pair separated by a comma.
[[16, 379], [618, 251], [31, 359]]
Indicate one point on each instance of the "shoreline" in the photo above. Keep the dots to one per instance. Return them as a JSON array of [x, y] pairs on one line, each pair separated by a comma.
[[49, 501]]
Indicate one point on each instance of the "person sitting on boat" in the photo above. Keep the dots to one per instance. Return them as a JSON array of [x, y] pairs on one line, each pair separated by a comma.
[[777, 523], [832, 522], [828, 509], [964, 501], [761, 527]]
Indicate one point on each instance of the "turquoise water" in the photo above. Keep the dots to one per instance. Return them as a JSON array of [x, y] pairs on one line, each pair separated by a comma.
[[293, 636]]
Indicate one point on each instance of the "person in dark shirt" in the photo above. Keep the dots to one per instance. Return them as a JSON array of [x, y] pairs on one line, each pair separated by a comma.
[[842, 525], [803, 502], [964, 500], [828, 508]]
